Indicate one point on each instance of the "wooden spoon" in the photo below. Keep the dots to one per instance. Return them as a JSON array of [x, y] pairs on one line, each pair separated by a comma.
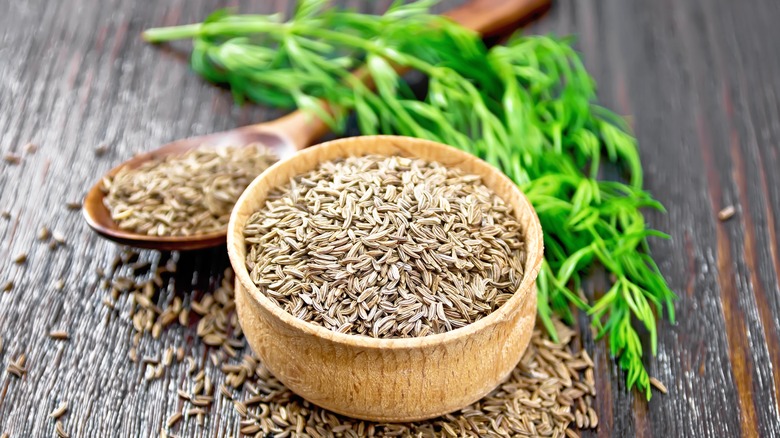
[[285, 135]]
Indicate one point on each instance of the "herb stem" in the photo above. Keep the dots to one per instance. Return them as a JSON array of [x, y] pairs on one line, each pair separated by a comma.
[[163, 34], [527, 107]]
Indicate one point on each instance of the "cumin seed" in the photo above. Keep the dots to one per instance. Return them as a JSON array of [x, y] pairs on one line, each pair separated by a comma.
[[59, 411], [173, 419], [12, 159], [727, 213], [658, 385], [60, 335]]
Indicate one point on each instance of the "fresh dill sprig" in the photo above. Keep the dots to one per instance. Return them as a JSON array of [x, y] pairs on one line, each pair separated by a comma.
[[527, 107]]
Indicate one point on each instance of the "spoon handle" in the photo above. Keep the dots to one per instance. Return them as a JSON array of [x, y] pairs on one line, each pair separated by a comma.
[[495, 17], [486, 17]]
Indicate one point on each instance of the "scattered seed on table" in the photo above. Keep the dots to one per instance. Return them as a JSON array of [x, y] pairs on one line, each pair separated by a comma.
[[75, 205], [101, 150], [213, 340], [201, 401], [13, 159], [8, 285], [251, 429], [44, 233], [58, 237], [61, 430], [225, 392], [1, 344], [198, 388], [173, 419], [61, 335], [194, 411], [30, 148], [727, 213], [5, 214], [254, 400], [168, 357], [184, 316], [230, 351], [20, 258], [59, 411], [593, 417], [240, 408], [59, 284], [658, 385], [208, 387]]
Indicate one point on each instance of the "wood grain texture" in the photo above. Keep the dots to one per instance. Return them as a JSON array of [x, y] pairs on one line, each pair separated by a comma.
[[700, 79], [387, 379]]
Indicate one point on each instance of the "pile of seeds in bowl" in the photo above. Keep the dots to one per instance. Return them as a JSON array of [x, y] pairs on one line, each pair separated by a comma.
[[387, 247], [187, 194]]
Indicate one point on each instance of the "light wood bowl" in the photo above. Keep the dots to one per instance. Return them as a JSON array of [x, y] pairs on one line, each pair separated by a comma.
[[386, 379]]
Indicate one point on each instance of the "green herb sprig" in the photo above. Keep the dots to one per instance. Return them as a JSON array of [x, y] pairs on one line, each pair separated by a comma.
[[527, 107]]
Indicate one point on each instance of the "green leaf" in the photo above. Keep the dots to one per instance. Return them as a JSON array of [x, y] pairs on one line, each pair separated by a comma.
[[528, 107]]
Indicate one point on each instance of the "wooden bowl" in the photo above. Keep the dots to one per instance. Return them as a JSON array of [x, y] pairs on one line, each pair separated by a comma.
[[386, 379]]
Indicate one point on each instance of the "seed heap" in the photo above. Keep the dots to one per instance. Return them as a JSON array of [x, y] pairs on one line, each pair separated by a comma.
[[549, 393], [186, 194], [200, 398], [550, 390], [386, 247], [151, 311]]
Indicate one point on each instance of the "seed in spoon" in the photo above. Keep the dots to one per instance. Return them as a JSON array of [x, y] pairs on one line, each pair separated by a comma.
[[183, 195]]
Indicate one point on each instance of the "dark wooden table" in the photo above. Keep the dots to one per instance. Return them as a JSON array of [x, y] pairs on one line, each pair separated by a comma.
[[701, 80]]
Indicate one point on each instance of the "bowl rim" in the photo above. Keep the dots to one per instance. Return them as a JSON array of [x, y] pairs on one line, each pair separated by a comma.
[[534, 255]]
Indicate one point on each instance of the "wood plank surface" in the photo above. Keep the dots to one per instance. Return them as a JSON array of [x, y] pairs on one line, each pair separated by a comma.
[[699, 79]]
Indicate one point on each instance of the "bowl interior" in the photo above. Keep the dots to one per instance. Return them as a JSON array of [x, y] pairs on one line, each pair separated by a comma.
[[255, 195]]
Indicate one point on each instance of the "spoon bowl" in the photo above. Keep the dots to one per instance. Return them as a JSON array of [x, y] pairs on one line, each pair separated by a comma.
[[284, 136]]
